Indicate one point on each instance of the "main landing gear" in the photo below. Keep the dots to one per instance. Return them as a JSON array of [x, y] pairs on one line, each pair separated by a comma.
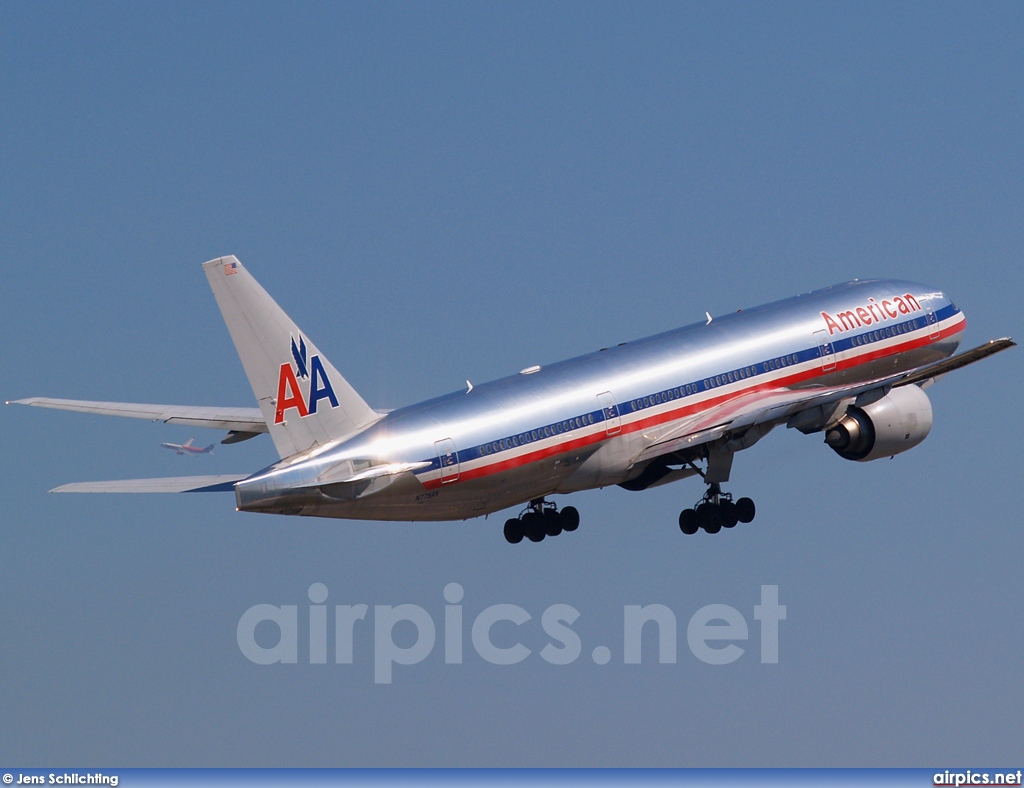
[[716, 511], [539, 519]]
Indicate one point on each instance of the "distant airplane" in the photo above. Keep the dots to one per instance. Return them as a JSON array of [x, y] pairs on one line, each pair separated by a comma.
[[850, 362], [188, 448]]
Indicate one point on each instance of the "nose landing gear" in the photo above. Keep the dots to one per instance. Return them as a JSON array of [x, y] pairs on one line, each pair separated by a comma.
[[716, 511], [540, 519]]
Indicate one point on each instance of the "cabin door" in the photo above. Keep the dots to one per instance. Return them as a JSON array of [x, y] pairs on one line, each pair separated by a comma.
[[933, 323], [449, 460], [828, 352], [612, 422]]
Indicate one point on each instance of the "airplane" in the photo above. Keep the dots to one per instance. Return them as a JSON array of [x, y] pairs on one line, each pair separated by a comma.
[[188, 448], [850, 362]]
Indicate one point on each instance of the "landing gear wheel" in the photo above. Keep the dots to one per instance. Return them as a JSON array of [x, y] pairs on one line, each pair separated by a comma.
[[688, 522], [709, 517], [728, 513], [552, 522], [514, 531], [570, 519], [745, 510], [533, 525]]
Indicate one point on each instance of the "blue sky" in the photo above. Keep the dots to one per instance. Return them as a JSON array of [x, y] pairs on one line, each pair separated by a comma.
[[438, 192]]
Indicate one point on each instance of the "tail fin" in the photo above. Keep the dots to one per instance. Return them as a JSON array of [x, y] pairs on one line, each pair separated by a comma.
[[304, 399], [209, 449]]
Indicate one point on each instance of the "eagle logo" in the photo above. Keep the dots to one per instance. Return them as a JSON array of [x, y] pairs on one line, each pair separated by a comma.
[[299, 354]]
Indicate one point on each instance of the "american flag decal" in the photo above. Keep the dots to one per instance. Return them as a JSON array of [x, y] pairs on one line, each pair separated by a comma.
[[230, 268]]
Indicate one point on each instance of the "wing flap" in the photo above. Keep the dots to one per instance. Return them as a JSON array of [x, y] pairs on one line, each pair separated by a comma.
[[170, 484], [241, 420]]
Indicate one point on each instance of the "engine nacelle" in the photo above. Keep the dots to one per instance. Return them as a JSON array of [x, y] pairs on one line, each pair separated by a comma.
[[893, 424]]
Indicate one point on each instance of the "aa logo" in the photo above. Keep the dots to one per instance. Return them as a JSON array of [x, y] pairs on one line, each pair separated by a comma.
[[289, 394]]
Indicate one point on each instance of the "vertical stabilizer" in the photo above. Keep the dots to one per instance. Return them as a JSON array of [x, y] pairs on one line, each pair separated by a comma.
[[304, 399]]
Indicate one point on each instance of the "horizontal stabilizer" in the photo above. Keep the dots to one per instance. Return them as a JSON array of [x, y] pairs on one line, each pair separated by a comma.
[[170, 484], [242, 420]]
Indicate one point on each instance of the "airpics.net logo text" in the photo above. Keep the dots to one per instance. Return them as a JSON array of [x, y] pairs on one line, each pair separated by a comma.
[[713, 633]]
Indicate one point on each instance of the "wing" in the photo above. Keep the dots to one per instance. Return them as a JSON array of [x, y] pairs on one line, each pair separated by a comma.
[[238, 420], [170, 484], [801, 408]]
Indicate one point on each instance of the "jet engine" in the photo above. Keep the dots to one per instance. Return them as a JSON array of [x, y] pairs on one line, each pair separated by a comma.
[[897, 422]]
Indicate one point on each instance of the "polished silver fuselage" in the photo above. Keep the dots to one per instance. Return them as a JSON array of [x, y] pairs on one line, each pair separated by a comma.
[[583, 423]]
